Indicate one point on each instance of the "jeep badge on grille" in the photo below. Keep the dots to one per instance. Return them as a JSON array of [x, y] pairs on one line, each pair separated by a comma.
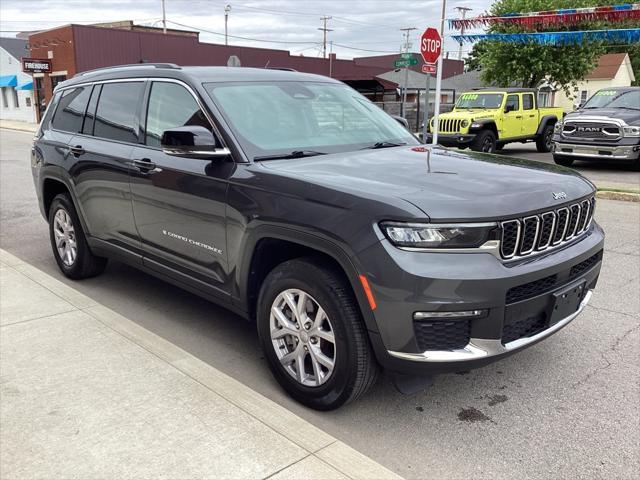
[[559, 195]]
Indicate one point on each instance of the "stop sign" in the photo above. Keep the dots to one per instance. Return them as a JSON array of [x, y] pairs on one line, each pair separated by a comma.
[[430, 45]]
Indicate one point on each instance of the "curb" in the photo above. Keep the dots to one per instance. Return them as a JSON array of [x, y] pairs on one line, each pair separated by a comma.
[[622, 196], [26, 128], [319, 444]]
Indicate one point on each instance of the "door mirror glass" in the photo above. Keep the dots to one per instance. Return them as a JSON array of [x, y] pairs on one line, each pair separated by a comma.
[[192, 141], [509, 108]]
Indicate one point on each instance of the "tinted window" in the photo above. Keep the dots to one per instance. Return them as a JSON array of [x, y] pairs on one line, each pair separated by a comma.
[[90, 116], [70, 111], [513, 100], [527, 101], [116, 113], [170, 106]]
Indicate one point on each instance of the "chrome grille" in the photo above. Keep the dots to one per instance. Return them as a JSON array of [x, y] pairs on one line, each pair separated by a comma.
[[525, 236], [609, 131], [449, 125]]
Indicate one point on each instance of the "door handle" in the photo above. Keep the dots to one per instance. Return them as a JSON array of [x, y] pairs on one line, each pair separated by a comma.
[[144, 164], [518, 116], [531, 116], [77, 150]]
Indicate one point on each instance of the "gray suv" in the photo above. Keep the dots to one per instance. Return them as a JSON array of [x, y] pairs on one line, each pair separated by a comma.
[[296, 203]]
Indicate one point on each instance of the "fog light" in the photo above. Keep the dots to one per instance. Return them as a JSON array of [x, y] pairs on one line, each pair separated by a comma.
[[459, 314]]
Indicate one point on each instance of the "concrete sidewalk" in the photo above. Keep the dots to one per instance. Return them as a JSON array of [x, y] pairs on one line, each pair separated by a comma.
[[21, 126], [87, 393]]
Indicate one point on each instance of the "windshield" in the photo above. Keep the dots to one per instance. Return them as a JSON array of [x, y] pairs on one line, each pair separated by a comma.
[[615, 99], [479, 100], [271, 118]]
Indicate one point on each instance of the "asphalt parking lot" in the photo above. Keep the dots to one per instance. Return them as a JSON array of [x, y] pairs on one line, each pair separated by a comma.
[[610, 174], [567, 407]]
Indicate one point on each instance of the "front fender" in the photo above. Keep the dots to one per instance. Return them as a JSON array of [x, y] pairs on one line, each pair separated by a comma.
[[314, 240]]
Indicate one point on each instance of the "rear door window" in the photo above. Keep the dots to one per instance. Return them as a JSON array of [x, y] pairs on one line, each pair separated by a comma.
[[527, 101], [71, 108], [117, 111]]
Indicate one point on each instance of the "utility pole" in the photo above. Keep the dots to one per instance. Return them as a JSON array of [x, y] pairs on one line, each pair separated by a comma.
[[227, 9], [407, 46], [324, 34], [463, 11], [164, 19], [330, 59], [436, 107]]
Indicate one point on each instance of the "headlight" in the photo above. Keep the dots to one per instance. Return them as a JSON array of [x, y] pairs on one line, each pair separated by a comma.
[[558, 127], [417, 235], [465, 123], [631, 131]]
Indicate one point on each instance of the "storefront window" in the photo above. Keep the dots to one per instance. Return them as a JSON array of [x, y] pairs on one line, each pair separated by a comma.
[[56, 80]]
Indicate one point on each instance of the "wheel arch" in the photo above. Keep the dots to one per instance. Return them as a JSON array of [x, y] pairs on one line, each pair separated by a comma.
[[544, 121], [53, 184], [489, 124], [273, 245]]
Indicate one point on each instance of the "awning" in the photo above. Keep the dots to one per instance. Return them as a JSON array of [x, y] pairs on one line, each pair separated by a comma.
[[8, 81], [26, 86]]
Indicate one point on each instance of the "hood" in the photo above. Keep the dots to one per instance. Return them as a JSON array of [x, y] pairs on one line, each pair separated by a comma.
[[630, 117], [458, 186], [471, 112]]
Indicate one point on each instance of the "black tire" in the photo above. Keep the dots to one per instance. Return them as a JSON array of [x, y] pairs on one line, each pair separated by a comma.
[[85, 264], [544, 141], [564, 161], [485, 142], [355, 368], [499, 146]]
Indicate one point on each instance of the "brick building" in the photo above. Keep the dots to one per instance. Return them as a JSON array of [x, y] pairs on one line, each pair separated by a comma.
[[77, 48]]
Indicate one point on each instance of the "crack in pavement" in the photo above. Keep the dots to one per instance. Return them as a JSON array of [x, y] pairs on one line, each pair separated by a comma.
[[618, 340]]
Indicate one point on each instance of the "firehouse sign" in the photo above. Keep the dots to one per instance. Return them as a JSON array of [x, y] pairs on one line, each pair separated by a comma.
[[36, 65]]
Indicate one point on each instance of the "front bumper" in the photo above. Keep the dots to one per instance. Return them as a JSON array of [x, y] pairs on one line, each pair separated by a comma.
[[599, 152], [405, 282], [453, 139]]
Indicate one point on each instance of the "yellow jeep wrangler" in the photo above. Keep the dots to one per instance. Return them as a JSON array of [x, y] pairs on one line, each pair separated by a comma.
[[485, 120]]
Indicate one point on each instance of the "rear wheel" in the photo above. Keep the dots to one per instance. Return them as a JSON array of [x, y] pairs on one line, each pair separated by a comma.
[[564, 161], [313, 336], [69, 243], [485, 141], [544, 141]]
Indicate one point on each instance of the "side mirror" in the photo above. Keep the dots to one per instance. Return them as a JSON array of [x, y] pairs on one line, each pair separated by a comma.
[[509, 108], [192, 141], [401, 120]]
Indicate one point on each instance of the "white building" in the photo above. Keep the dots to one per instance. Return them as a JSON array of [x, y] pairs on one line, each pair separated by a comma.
[[16, 87], [613, 70]]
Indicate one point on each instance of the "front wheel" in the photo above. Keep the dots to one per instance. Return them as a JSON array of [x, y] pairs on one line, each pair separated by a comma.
[[544, 141], [313, 335], [485, 141]]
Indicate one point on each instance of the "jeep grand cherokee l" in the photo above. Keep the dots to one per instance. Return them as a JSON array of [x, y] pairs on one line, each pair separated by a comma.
[[295, 202]]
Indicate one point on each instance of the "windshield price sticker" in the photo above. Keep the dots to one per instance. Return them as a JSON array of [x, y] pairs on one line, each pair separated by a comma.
[[606, 93], [470, 96]]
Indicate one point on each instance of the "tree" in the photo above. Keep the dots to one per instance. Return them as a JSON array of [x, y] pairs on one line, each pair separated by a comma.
[[529, 65]]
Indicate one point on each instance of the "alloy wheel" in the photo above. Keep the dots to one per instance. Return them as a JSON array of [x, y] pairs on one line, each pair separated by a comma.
[[487, 145], [302, 337], [65, 237]]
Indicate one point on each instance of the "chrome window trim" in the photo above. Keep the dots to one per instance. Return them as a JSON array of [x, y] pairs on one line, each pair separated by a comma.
[[156, 79]]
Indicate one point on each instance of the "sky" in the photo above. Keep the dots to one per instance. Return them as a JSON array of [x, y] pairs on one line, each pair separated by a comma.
[[359, 28]]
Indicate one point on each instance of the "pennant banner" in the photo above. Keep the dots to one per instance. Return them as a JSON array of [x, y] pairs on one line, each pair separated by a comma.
[[626, 36], [613, 13]]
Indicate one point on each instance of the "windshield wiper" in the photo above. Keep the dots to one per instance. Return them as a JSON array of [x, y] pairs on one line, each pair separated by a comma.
[[384, 145], [294, 154]]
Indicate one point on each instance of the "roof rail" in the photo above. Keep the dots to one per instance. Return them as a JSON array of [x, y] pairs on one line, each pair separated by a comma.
[[130, 65], [284, 69]]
